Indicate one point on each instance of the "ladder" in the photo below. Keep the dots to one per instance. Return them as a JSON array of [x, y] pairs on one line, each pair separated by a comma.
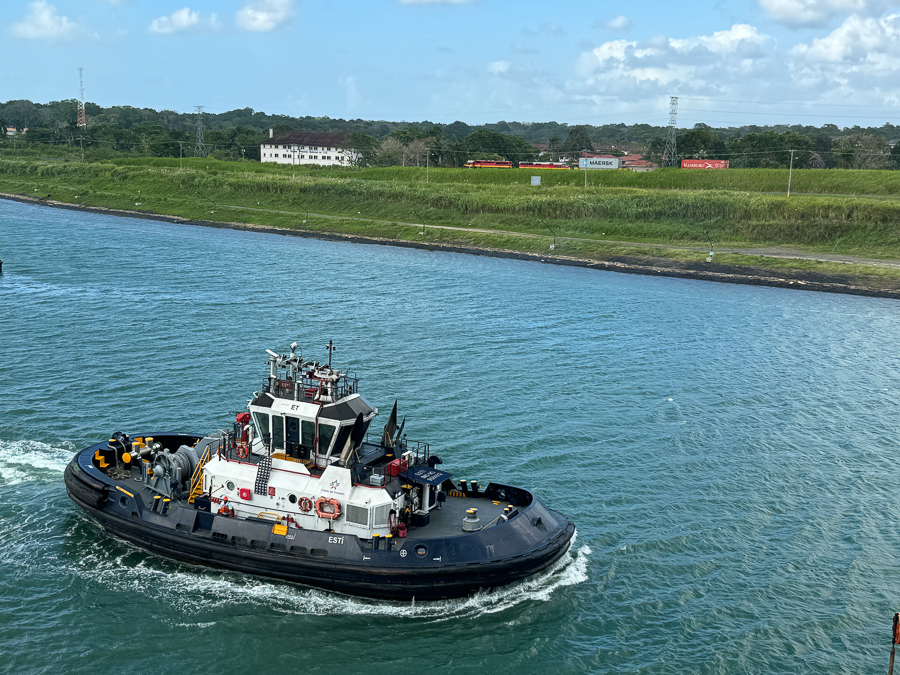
[[197, 477], [263, 469]]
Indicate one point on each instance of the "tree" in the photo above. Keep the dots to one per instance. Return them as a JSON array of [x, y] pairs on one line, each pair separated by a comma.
[[701, 142], [21, 114], [485, 143], [894, 159], [771, 150], [554, 147], [861, 151], [414, 152], [656, 150], [578, 139], [407, 135], [364, 148], [390, 153]]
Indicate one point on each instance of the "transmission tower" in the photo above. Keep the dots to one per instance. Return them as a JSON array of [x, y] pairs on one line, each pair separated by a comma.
[[200, 150], [82, 118], [670, 157]]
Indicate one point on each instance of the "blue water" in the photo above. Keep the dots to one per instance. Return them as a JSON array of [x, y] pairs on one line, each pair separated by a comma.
[[728, 453]]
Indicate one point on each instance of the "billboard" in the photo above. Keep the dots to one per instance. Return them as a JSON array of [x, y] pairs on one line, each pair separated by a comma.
[[704, 164], [598, 163]]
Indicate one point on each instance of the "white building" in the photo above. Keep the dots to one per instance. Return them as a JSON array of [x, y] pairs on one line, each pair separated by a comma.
[[305, 147]]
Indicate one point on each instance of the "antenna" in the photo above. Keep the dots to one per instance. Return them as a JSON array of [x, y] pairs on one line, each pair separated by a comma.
[[82, 118], [669, 156], [200, 150], [330, 348]]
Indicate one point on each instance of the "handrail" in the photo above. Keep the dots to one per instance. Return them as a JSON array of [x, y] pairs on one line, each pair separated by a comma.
[[197, 477]]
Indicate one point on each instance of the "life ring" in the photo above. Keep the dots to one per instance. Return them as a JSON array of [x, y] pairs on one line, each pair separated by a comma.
[[305, 504], [243, 450], [329, 509]]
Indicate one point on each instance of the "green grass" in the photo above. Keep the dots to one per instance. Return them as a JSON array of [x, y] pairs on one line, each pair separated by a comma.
[[664, 208]]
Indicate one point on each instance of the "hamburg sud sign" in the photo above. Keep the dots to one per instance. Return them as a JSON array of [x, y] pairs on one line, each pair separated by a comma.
[[704, 164]]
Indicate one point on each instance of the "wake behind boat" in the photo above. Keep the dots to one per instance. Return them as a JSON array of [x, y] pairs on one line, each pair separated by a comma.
[[298, 490]]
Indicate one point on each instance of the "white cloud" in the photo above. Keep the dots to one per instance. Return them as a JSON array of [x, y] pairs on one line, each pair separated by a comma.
[[702, 64], [43, 23], [621, 23], [818, 12], [498, 67], [861, 57], [176, 21], [738, 36], [264, 15]]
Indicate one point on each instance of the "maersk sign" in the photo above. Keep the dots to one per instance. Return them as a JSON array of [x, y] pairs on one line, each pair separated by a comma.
[[598, 163]]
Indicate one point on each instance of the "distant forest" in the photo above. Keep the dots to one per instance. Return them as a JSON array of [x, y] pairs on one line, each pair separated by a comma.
[[126, 131]]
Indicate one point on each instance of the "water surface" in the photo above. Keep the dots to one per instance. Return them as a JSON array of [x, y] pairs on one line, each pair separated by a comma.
[[728, 453]]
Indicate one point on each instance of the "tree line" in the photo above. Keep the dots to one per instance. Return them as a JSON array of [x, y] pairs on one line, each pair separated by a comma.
[[237, 134], [815, 149]]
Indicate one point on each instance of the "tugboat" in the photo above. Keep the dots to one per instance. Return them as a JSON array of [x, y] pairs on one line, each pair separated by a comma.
[[298, 490]]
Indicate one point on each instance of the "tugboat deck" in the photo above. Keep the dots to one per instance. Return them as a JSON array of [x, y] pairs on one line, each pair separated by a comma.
[[446, 521]]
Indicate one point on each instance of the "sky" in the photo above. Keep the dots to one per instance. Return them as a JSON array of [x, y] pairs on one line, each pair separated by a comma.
[[479, 61]]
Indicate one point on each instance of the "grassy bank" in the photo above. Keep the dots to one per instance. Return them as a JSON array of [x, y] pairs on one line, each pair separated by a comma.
[[666, 209]]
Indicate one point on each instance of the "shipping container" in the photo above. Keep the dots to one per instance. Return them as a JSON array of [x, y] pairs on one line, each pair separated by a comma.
[[704, 164], [598, 163]]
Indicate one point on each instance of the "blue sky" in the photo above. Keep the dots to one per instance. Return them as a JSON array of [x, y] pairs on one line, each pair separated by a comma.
[[730, 63]]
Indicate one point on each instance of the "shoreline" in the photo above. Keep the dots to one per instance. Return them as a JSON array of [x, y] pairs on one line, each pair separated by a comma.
[[631, 265]]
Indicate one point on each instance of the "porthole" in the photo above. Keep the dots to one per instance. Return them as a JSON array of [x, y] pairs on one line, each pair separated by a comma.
[[292, 499], [230, 486], [420, 550]]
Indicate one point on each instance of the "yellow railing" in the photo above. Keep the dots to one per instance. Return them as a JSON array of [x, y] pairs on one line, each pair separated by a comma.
[[197, 477]]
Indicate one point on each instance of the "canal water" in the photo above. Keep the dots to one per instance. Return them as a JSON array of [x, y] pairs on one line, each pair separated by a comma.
[[728, 453]]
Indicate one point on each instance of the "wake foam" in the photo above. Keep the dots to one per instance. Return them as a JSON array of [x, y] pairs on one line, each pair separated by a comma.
[[24, 461], [131, 570]]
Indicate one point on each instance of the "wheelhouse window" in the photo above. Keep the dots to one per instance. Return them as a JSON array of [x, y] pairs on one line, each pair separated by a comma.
[[307, 434], [277, 431], [326, 433], [262, 426]]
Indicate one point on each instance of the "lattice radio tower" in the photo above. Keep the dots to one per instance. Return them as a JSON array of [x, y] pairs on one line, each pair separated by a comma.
[[200, 150], [82, 118], [670, 157]]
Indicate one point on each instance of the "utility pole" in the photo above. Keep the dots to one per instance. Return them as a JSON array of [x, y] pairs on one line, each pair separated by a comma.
[[200, 150], [180, 154], [790, 174], [669, 155], [427, 163]]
